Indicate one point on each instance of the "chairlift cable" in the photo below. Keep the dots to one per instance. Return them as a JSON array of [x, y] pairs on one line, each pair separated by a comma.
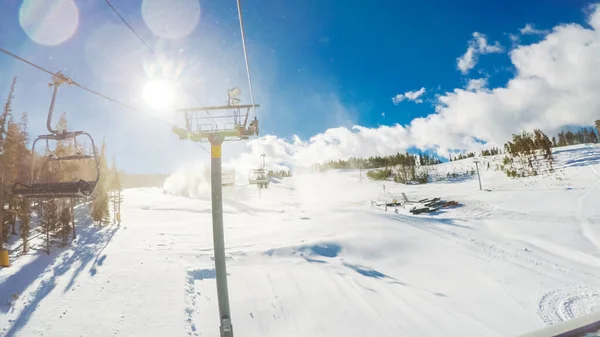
[[239, 8], [149, 48], [86, 88], [24, 60], [128, 26]]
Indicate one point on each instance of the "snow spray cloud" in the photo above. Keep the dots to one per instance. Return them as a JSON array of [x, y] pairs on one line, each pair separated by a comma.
[[192, 181]]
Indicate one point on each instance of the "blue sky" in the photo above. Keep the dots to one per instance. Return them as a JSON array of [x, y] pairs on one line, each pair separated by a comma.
[[316, 64]]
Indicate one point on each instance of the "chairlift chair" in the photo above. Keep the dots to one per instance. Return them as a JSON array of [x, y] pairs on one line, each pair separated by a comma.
[[259, 177], [44, 185]]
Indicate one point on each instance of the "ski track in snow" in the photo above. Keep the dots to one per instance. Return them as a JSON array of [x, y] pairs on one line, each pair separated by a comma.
[[586, 228], [560, 305], [487, 250]]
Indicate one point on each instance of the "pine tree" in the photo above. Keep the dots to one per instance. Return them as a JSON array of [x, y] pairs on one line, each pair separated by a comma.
[[7, 167], [115, 188], [597, 126], [48, 221], [24, 214], [5, 222], [11, 154], [69, 170], [562, 139], [6, 113], [11, 159], [12, 214], [64, 224], [570, 137], [24, 157], [593, 136], [580, 136], [100, 210], [524, 150]]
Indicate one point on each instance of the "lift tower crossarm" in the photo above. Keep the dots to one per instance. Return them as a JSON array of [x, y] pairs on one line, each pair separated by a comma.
[[220, 107], [240, 129], [204, 136]]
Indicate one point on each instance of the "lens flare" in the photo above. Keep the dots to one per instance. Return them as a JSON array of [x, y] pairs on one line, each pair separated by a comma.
[[49, 22], [171, 19], [113, 53], [159, 94]]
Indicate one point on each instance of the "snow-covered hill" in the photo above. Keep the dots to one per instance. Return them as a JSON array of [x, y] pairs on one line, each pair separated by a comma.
[[312, 257]]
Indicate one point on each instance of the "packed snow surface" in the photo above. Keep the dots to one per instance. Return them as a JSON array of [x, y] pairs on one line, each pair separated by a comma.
[[313, 257]]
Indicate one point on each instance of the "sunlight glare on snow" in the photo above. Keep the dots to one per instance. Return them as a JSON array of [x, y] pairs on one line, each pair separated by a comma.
[[171, 19], [49, 22]]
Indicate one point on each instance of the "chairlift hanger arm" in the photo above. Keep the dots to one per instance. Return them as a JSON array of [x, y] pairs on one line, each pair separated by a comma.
[[57, 80]]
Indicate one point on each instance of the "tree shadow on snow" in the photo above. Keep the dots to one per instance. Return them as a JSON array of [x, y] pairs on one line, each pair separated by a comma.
[[89, 247], [18, 282], [592, 159], [589, 155], [110, 233], [368, 272], [89, 241]]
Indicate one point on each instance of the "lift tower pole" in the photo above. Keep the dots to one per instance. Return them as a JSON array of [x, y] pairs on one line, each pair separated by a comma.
[[216, 183], [228, 126], [476, 161]]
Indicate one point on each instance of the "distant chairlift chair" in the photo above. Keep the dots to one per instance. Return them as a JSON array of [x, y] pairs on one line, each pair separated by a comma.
[[46, 185], [259, 177]]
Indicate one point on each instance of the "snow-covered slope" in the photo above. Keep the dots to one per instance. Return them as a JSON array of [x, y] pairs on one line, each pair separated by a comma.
[[312, 257]]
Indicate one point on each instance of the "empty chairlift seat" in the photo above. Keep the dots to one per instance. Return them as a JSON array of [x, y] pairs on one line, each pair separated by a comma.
[[45, 183], [75, 189]]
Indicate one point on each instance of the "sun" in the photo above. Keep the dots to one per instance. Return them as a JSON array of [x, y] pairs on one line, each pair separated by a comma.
[[159, 94]]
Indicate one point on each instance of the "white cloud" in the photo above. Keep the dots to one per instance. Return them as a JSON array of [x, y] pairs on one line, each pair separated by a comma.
[[398, 98], [477, 84], [409, 95], [477, 46], [556, 84], [514, 39], [530, 29]]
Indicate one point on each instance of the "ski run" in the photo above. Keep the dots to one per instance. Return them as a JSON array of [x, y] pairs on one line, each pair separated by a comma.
[[313, 256]]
